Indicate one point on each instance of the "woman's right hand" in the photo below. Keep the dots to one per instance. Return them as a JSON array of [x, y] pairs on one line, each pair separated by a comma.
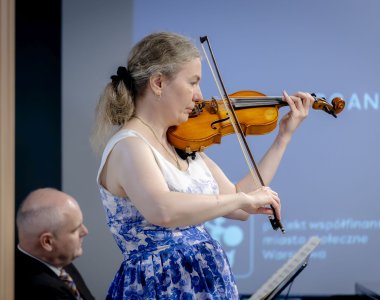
[[259, 201]]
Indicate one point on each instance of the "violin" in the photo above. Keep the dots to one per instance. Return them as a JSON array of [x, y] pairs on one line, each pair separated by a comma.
[[242, 113], [257, 114]]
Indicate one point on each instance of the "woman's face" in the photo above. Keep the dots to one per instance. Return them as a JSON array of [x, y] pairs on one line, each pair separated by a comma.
[[179, 93]]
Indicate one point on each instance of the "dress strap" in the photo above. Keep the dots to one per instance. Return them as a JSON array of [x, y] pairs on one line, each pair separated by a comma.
[[111, 143]]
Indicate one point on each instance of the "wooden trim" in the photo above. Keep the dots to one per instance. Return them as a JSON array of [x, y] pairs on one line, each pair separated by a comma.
[[7, 148]]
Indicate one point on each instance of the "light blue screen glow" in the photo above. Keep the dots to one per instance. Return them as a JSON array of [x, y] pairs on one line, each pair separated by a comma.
[[327, 180]]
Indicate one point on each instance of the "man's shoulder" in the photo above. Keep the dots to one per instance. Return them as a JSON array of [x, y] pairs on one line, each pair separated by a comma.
[[25, 264], [35, 280], [31, 273]]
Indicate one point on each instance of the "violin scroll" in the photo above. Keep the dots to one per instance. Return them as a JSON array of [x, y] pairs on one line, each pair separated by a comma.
[[336, 106]]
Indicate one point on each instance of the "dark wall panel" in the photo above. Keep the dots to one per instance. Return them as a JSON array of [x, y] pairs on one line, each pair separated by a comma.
[[38, 96]]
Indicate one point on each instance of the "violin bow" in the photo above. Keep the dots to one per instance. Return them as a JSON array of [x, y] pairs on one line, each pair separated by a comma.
[[254, 171]]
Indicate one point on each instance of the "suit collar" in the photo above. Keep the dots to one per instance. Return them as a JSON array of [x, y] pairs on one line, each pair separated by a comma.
[[53, 268]]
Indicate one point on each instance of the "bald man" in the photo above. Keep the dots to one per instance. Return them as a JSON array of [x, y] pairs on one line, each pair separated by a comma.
[[50, 230]]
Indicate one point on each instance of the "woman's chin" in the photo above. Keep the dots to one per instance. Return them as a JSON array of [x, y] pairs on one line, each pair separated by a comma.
[[184, 118], [181, 119]]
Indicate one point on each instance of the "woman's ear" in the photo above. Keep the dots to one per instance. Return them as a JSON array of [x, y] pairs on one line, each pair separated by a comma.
[[156, 83], [46, 241]]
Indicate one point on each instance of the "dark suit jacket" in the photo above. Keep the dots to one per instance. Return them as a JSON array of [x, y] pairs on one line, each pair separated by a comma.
[[34, 280]]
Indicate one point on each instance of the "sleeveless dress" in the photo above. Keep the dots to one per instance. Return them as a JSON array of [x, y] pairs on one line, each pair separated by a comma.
[[166, 263]]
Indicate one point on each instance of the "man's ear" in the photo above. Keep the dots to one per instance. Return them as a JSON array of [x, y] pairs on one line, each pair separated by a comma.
[[156, 83], [46, 241]]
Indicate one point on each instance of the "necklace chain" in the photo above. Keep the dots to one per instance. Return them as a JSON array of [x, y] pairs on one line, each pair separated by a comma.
[[162, 145]]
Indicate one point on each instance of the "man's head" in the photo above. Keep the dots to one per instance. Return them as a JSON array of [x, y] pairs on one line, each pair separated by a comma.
[[50, 226]]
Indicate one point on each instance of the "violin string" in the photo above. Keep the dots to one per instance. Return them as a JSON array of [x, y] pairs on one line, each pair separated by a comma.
[[256, 101]]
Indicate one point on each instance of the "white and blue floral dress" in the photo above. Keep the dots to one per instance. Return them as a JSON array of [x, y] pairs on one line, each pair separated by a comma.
[[160, 262]]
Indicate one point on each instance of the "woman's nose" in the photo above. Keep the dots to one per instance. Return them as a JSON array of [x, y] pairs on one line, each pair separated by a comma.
[[198, 95]]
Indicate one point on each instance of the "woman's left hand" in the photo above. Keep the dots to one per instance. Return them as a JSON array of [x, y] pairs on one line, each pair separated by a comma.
[[299, 104]]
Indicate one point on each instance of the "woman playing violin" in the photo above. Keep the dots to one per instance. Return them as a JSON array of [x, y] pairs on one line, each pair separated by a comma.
[[157, 203]]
